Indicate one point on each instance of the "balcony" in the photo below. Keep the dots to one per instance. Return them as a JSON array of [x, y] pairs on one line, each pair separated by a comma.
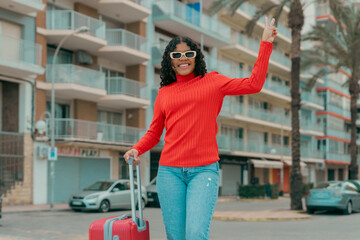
[[124, 47], [124, 93], [342, 157], [276, 90], [312, 101], [19, 58], [236, 111], [230, 70], [244, 48], [72, 81], [25, 7], [61, 23], [180, 19], [308, 127], [158, 49], [245, 13], [306, 152], [126, 11], [230, 144], [338, 110], [338, 133], [80, 130]]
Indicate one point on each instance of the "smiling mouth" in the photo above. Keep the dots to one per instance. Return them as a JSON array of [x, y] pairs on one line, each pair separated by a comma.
[[184, 65]]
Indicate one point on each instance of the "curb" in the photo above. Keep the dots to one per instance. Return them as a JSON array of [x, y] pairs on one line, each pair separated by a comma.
[[262, 219], [4, 211]]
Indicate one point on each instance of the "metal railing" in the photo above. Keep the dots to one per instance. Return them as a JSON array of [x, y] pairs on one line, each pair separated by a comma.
[[71, 20], [122, 37], [312, 97], [19, 51], [69, 73], [75, 129], [338, 133], [122, 85], [190, 15], [11, 160]]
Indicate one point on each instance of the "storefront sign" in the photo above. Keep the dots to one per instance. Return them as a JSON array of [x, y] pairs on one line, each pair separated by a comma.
[[82, 152]]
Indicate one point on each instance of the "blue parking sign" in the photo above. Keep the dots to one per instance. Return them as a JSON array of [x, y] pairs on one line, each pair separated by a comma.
[[52, 154]]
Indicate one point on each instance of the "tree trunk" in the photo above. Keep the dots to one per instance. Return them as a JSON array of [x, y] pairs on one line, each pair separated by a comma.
[[354, 95], [296, 21]]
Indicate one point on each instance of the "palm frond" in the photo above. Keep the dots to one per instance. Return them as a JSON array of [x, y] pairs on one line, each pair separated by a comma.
[[218, 5], [263, 10]]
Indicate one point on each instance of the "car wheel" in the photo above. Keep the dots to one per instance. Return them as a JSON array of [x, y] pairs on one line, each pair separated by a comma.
[[310, 211], [142, 202], [348, 209], [104, 206]]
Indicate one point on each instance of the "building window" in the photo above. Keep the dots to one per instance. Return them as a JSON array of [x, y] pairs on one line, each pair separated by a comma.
[[61, 110], [109, 117]]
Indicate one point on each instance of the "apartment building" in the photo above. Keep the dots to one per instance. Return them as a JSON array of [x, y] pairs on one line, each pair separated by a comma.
[[336, 114], [106, 81], [20, 64]]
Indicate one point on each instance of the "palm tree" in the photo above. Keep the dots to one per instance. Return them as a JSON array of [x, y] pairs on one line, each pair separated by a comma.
[[295, 23], [339, 51]]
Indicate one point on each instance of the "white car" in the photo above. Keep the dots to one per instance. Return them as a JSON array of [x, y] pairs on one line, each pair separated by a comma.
[[105, 195]]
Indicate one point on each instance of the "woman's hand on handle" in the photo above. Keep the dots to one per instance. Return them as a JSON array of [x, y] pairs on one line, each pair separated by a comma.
[[132, 152], [270, 31]]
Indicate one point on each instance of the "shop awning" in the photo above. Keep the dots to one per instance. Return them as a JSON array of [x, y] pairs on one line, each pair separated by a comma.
[[266, 163], [289, 163]]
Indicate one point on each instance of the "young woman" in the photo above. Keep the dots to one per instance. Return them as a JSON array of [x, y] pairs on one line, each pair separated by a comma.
[[187, 105]]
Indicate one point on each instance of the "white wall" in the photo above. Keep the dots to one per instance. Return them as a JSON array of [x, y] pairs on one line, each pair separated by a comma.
[[40, 177]]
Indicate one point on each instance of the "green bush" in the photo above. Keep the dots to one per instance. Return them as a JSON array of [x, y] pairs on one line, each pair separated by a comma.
[[252, 191], [307, 187], [274, 191], [259, 191]]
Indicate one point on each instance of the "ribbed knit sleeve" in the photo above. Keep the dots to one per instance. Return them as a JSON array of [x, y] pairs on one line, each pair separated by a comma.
[[253, 84], [152, 136]]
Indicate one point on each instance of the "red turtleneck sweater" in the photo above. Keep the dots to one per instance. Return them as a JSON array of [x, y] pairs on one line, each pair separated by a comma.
[[188, 109]]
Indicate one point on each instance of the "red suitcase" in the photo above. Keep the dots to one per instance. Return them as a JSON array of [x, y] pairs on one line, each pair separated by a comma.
[[123, 227]]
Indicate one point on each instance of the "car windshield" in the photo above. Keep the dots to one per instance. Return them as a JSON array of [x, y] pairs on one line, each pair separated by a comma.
[[99, 186], [329, 185]]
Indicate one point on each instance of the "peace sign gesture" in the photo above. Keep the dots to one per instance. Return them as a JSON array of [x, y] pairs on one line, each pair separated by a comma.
[[270, 31]]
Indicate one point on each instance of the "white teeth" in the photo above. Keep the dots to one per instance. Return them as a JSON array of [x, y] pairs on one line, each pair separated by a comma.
[[184, 65]]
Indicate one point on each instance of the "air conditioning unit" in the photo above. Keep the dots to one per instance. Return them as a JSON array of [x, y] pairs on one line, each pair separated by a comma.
[[42, 151]]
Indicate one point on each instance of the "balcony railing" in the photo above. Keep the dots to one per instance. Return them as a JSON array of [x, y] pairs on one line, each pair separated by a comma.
[[344, 157], [311, 153], [277, 87], [122, 37], [312, 97], [306, 124], [93, 131], [121, 85], [338, 133], [227, 143], [71, 20], [69, 73], [19, 51], [190, 15], [338, 110], [230, 107]]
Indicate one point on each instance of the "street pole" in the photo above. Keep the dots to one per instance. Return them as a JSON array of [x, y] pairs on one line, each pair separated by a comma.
[[52, 115]]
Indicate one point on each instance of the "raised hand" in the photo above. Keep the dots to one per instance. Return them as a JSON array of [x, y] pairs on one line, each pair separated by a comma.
[[270, 31]]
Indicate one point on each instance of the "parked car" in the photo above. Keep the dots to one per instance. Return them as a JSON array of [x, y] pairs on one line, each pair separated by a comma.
[[152, 194], [105, 195], [333, 195]]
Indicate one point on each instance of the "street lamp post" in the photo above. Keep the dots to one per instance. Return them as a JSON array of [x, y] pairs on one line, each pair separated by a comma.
[[52, 115]]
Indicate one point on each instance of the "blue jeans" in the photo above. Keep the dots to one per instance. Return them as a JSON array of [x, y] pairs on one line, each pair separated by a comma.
[[188, 197]]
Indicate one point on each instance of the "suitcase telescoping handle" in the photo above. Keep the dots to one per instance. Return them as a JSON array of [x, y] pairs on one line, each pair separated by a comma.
[[139, 221]]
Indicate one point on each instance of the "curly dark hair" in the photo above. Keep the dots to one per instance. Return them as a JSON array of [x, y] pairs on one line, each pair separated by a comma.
[[167, 74]]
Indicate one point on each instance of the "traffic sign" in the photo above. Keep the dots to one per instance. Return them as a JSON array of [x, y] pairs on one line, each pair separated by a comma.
[[52, 153]]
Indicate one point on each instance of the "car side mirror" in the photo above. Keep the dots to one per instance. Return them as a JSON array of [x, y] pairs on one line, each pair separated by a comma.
[[115, 190]]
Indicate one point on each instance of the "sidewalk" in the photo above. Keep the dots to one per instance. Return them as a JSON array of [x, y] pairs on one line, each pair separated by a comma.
[[231, 215]]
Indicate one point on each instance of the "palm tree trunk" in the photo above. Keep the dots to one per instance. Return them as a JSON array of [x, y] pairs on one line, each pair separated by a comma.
[[354, 95], [296, 21]]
